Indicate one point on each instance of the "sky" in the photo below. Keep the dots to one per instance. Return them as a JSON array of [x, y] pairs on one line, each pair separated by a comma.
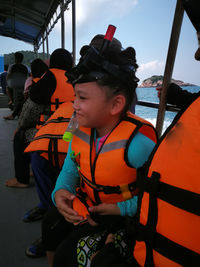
[[143, 24]]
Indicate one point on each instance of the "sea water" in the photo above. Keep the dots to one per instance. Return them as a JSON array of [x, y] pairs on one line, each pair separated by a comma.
[[150, 114]]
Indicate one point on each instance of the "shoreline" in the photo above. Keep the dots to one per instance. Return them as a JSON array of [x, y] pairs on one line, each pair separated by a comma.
[[181, 85]]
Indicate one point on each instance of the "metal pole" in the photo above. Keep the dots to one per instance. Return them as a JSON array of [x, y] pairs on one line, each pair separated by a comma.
[[74, 31], [62, 25], [173, 44], [36, 50], [43, 48], [47, 43]]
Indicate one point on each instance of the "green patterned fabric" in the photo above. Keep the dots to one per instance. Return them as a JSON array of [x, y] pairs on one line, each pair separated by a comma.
[[89, 245]]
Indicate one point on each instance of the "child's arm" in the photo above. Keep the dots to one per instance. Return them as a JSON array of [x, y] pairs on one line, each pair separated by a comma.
[[68, 178], [64, 191]]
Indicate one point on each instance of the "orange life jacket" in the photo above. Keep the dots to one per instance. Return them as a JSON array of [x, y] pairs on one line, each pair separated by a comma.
[[107, 176], [169, 197], [48, 140], [63, 93]]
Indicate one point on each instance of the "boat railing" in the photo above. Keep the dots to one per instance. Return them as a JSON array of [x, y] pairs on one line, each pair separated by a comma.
[[168, 107]]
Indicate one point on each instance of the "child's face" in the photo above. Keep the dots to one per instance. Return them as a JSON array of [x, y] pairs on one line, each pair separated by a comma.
[[92, 106]]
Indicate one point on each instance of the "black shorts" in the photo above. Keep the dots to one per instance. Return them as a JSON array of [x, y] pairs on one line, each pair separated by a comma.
[[62, 237]]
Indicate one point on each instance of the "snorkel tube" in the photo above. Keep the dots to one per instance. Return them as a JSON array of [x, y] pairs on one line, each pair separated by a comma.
[[108, 38]]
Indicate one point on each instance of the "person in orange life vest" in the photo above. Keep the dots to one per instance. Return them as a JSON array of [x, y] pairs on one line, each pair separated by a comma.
[[55, 91], [24, 133], [49, 142], [103, 97], [160, 241], [57, 60], [51, 90], [41, 144]]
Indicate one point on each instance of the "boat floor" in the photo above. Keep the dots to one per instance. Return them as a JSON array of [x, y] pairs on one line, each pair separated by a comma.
[[15, 235]]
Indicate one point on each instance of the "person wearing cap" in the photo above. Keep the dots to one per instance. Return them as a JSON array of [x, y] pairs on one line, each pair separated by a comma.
[[110, 144]]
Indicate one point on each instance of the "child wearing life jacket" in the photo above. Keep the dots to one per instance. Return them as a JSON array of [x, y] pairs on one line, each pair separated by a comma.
[[99, 173]]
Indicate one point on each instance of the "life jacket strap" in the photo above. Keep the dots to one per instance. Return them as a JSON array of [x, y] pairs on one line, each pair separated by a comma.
[[147, 233], [82, 197], [53, 153], [178, 197], [57, 103], [127, 190], [167, 247], [47, 136], [57, 120]]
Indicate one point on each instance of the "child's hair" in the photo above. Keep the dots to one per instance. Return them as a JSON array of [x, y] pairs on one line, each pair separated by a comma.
[[61, 59], [18, 57], [124, 59], [38, 68], [115, 68]]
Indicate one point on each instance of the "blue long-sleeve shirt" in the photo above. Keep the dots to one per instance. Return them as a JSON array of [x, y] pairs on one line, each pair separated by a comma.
[[138, 152]]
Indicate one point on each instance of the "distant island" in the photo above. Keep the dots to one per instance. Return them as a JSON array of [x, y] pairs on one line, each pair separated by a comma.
[[157, 80]]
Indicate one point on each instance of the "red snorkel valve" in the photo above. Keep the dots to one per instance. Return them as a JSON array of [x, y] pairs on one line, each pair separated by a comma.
[[108, 37]]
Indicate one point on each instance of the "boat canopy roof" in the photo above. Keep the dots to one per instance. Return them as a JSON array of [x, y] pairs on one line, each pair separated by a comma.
[[29, 21]]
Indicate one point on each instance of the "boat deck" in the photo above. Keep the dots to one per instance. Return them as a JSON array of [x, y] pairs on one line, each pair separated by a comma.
[[15, 235]]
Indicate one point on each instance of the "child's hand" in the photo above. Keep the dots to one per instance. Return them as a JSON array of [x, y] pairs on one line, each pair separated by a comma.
[[105, 209], [102, 209], [110, 239], [64, 199]]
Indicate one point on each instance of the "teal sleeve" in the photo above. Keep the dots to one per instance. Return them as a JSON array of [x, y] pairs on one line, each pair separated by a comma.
[[139, 150], [68, 178], [138, 153], [128, 207]]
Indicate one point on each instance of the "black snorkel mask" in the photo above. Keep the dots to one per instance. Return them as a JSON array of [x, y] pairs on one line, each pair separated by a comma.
[[93, 65]]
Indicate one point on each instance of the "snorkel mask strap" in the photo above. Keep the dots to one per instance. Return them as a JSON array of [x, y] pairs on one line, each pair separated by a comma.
[[93, 65]]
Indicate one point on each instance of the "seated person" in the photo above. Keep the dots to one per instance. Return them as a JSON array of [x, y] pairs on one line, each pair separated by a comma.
[[26, 130], [103, 98]]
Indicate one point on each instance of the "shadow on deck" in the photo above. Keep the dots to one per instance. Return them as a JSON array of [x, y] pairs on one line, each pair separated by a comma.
[[15, 235]]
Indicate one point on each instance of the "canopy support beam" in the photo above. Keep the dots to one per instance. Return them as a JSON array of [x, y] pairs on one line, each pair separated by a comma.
[[74, 31], [173, 44], [62, 25], [47, 44], [43, 47]]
